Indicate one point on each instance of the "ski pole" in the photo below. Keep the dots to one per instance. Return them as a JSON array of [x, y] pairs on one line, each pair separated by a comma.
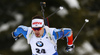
[[46, 19], [43, 4], [60, 8], [86, 21]]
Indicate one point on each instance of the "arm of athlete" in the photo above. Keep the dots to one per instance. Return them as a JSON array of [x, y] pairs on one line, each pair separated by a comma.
[[65, 32], [21, 30]]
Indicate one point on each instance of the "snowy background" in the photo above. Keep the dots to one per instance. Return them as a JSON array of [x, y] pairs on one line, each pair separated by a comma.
[[19, 12]]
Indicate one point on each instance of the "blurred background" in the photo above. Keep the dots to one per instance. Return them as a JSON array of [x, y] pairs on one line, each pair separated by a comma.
[[19, 12]]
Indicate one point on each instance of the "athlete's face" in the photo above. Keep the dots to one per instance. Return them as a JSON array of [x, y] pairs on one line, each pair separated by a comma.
[[38, 31]]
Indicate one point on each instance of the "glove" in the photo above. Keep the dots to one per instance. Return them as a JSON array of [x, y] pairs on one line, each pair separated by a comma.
[[69, 48], [16, 37]]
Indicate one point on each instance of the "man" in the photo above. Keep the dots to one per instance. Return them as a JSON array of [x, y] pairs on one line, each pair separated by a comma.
[[42, 39]]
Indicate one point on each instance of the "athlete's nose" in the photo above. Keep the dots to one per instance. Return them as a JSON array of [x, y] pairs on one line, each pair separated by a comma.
[[36, 31]]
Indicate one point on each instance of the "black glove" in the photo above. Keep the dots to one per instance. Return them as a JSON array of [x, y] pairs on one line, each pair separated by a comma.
[[70, 48]]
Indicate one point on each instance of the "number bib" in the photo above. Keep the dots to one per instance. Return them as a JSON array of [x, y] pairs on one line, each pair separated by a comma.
[[42, 46]]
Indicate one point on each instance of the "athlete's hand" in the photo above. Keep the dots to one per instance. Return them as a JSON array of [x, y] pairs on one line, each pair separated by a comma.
[[70, 48], [15, 37]]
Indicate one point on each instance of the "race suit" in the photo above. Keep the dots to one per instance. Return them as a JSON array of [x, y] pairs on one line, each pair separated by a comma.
[[43, 46]]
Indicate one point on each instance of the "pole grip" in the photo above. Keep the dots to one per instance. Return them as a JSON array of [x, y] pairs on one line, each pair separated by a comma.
[[43, 4]]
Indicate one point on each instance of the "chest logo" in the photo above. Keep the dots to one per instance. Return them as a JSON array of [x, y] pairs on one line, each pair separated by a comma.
[[39, 44]]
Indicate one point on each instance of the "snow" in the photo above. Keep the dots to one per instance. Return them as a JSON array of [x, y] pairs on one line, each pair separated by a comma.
[[73, 3], [20, 45], [86, 48], [63, 12], [6, 26]]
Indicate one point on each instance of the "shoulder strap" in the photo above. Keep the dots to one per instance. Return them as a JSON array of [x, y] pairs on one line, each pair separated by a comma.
[[29, 35], [49, 35]]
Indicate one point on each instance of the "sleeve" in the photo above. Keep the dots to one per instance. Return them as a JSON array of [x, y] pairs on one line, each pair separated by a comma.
[[57, 33], [21, 30], [64, 32]]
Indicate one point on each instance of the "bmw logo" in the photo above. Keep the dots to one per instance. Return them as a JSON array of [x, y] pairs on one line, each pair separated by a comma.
[[39, 44]]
